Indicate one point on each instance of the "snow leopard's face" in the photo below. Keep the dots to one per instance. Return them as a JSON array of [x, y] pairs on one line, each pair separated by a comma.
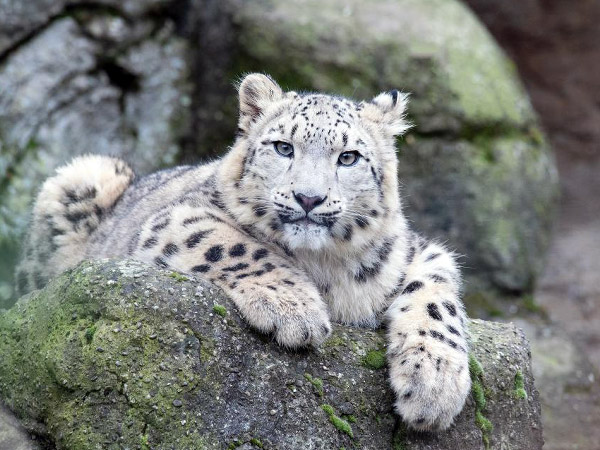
[[318, 171]]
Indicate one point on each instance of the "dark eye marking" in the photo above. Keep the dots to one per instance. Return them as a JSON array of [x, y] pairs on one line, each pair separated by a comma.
[[348, 159], [284, 149]]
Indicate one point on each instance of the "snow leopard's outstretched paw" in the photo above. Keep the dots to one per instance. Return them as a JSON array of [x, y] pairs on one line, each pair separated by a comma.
[[431, 385], [295, 318]]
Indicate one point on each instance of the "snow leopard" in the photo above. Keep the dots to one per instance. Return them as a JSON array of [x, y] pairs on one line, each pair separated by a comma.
[[300, 223]]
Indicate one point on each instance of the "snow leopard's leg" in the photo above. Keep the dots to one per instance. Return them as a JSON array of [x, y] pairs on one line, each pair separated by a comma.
[[68, 208], [427, 345], [271, 294]]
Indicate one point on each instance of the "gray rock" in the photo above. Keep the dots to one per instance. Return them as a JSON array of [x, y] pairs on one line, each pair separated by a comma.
[[22, 20], [12, 435], [89, 82], [174, 373]]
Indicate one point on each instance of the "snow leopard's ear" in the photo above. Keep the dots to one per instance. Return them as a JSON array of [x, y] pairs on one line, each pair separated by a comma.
[[388, 109], [256, 92]]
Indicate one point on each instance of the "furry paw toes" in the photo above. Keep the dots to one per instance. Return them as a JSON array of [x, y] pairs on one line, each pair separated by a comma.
[[431, 388]]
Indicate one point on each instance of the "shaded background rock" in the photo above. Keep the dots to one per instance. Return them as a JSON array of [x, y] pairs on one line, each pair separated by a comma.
[[555, 46], [568, 385], [151, 81], [152, 354], [80, 79]]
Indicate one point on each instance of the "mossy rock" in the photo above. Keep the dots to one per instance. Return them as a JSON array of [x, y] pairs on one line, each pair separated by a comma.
[[122, 355], [435, 49]]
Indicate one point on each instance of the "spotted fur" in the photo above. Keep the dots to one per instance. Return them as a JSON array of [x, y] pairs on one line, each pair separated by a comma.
[[296, 237]]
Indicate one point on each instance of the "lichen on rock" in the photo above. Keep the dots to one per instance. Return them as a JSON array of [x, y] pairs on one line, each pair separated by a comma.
[[117, 353]]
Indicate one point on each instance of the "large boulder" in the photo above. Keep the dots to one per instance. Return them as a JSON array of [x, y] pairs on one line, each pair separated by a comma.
[[476, 170], [151, 81], [122, 355]]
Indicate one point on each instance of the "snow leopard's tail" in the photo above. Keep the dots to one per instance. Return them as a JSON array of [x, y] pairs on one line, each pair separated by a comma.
[[68, 209]]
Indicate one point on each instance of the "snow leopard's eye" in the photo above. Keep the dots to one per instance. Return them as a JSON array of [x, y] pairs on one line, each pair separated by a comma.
[[284, 149], [348, 158]]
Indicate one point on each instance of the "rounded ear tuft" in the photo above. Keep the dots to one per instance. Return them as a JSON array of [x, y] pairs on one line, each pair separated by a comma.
[[256, 92]]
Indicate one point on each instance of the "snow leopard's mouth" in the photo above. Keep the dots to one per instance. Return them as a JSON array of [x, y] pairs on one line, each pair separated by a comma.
[[308, 220], [303, 221]]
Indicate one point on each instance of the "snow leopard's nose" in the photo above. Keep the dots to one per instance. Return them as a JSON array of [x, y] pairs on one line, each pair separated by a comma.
[[309, 203]]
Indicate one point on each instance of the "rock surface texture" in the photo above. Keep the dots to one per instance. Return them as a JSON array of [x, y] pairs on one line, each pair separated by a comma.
[[121, 355], [12, 434], [151, 81], [76, 78], [555, 47]]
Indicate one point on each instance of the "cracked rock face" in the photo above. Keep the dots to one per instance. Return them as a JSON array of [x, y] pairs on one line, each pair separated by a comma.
[[122, 355], [82, 80], [21, 20]]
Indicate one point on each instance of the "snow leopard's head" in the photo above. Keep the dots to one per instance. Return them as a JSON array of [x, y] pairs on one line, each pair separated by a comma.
[[311, 170]]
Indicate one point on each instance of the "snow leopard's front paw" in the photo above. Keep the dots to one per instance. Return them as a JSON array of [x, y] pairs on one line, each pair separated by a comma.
[[296, 318], [310, 326], [431, 385]]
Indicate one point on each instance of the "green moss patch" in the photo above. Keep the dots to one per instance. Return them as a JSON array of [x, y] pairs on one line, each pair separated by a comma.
[[478, 394], [350, 418], [89, 333], [475, 368], [519, 390], [374, 359], [220, 310], [337, 422], [144, 444], [235, 444], [316, 382], [483, 422], [178, 277]]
